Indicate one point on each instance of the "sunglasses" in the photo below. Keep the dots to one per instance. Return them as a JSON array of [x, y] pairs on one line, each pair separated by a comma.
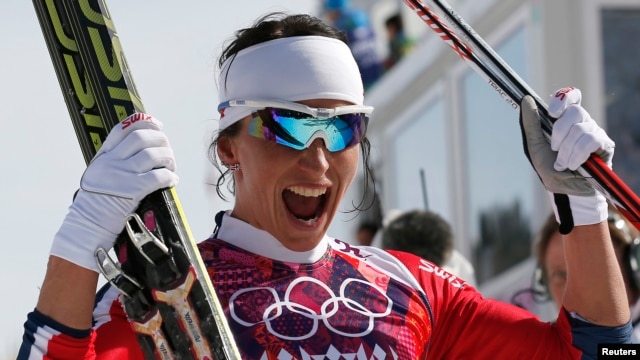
[[297, 126]]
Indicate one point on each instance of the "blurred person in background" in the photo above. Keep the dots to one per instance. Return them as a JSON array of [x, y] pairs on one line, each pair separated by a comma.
[[420, 232], [366, 233], [551, 273], [400, 44], [428, 235], [357, 27]]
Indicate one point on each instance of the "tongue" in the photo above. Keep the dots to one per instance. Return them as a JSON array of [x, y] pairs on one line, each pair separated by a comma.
[[302, 207]]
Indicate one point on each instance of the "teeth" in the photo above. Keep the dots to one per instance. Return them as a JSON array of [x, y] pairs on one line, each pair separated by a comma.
[[309, 221], [308, 192]]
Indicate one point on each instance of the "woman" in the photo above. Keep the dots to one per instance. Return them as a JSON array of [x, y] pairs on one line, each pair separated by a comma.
[[291, 127], [552, 267]]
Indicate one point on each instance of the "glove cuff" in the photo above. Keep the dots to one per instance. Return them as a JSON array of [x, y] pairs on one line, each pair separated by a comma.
[[78, 239], [583, 210]]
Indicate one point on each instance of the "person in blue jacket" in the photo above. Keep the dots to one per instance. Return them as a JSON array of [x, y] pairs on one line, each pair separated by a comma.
[[357, 27]]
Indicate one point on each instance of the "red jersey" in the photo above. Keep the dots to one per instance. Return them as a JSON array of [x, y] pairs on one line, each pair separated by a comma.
[[337, 301]]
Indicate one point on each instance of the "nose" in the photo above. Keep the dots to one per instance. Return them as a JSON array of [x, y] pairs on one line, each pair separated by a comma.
[[313, 159]]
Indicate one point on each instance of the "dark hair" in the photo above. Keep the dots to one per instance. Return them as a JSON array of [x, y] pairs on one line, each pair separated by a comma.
[[278, 25], [394, 20], [546, 232], [420, 232], [368, 226], [273, 26]]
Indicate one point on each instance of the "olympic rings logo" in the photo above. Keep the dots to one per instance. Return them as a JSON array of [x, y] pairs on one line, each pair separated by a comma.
[[328, 308]]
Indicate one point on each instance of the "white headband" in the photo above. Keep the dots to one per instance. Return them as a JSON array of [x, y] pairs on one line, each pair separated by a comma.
[[292, 69]]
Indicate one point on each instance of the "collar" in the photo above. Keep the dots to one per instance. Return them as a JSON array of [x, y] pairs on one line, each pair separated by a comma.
[[245, 236]]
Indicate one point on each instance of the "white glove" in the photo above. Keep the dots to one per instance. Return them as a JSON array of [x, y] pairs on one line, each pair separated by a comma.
[[134, 161], [575, 136]]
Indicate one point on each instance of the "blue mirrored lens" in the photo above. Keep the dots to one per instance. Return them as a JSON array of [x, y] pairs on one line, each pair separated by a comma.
[[296, 130]]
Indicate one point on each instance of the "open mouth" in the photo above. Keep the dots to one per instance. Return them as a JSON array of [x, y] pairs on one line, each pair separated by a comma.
[[304, 203]]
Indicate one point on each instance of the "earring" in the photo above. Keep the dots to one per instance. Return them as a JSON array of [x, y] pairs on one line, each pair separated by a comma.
[[233, 167]]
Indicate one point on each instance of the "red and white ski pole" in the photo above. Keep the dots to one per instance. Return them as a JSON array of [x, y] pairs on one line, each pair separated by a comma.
[[461, 37]]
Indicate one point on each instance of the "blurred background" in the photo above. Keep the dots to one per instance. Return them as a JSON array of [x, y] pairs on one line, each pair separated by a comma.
[[442, 139]]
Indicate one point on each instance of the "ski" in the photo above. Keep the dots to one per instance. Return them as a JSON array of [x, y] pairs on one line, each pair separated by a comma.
[[166, 291]]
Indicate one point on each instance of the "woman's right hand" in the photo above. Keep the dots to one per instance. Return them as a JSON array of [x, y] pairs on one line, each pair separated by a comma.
[[134, 161]]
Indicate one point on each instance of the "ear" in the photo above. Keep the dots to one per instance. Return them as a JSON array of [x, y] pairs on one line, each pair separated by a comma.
[[227, 150]]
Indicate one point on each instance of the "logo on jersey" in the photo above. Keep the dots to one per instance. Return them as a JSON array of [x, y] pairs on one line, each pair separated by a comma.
[[432, 268], [307, 303], [348, 248]]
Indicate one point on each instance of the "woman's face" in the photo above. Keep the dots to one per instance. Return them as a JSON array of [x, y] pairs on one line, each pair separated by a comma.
[[556, 268], [292, 194]]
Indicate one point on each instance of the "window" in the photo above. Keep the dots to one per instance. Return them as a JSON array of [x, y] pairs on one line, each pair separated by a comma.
[[499, 179], [420, 161], [620, 34]]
